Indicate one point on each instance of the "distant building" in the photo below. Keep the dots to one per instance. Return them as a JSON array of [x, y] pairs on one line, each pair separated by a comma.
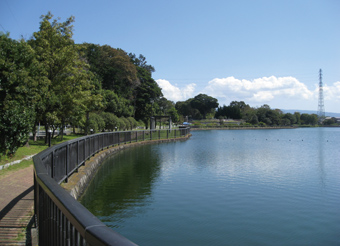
[[337, 118]]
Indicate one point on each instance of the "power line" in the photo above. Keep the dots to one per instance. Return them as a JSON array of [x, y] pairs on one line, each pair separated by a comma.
[[10, 10], [3, 28]]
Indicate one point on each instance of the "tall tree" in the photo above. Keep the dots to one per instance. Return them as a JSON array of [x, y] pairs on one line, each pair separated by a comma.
[[235, 110], [204, 103], [114, 67], [117, 105], [68, 75], [141, 62], [147, 93], [21, 88], [20, 85]]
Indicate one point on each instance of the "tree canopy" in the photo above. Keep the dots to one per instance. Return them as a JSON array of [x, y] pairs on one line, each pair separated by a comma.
[[198, 107], [68, 76], [22, 85]]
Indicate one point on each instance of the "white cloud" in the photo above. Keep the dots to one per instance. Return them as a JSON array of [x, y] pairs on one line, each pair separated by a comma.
[[332, 92], [261, 90], [277, 92], [175, 93]]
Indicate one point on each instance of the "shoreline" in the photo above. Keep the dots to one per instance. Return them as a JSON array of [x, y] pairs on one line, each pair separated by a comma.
[[242, 128]]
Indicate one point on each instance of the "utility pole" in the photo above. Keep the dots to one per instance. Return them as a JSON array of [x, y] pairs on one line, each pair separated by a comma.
[[321, 107]]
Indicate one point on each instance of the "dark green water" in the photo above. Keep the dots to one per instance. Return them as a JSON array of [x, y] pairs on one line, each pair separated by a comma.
[[236, 187]]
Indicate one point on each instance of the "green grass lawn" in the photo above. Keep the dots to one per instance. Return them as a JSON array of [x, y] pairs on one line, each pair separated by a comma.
[[34, 148]]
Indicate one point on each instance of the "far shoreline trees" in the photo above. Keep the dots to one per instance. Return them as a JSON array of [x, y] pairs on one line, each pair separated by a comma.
[[201, 106], [264, 115]]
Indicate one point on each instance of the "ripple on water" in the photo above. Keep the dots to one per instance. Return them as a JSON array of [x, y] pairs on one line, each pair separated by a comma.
[[231, 188]]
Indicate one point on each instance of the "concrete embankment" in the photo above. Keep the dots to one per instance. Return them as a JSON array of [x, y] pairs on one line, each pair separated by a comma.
[[79, 181]]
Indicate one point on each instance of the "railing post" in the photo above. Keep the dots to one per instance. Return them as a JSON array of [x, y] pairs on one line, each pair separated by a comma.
[[67, 161], [52, 165], [77, 154], [85, 157]]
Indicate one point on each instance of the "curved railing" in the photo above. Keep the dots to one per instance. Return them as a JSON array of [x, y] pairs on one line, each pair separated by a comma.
[[60, 219]]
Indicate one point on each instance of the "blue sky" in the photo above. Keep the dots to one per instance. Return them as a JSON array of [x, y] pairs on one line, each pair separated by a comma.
[[260, 52]]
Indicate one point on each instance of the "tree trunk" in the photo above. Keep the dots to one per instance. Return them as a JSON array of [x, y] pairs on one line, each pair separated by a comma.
[[87, 122], [34, 131], [62, 129], [46, 131]]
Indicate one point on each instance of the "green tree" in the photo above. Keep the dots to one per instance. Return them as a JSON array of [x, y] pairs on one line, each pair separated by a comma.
[[204, 104], [124, 124], [114, 67], [22, 85], [96, 122], [314, 119], [309, 119], [174, 115], [184, 108], [147, 94], [111, 121], [233, 111], [164, 106], [297, 118], [133, 123], [269, 116], [290, 119], [116, 104], [141, 62], [254, 120], [68, 75], [248, 114], [328, 122], [186, 111]]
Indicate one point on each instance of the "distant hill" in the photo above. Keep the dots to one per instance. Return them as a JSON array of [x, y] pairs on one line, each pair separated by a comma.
[[292, 111]]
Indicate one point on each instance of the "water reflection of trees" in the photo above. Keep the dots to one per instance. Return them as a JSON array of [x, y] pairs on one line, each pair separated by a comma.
[[123, 184]]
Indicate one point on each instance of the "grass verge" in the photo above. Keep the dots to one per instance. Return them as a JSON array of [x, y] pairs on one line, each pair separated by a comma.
[[33, 148], [16, 167]]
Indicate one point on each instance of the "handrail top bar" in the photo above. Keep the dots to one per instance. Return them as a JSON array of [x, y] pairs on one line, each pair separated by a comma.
[[45, 152]]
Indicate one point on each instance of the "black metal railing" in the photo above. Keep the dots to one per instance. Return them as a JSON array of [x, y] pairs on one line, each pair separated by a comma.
[[60, 219]]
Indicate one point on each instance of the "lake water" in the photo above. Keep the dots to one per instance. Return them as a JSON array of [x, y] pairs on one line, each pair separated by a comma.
[[225, 187]]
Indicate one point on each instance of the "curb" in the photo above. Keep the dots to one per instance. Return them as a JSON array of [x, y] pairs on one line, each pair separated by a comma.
[[16, 162]]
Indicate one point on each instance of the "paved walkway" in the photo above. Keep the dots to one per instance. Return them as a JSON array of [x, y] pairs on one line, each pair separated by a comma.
[[16, 206]]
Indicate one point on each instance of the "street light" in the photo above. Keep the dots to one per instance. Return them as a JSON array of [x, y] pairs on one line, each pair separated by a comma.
[[49, 132]]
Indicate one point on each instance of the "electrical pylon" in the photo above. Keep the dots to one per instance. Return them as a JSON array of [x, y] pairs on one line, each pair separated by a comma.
[[321, 106]]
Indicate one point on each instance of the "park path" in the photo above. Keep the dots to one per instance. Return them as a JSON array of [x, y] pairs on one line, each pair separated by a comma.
[[16, 206]]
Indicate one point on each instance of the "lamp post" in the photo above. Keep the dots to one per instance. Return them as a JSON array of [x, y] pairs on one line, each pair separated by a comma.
[[49, 132]]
